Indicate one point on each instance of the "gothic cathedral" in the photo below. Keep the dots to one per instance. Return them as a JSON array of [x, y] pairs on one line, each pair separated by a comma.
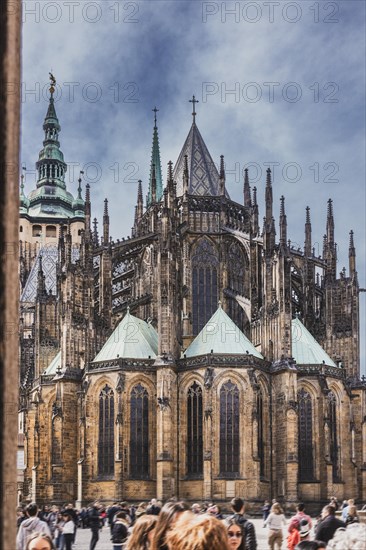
[[201, 357]]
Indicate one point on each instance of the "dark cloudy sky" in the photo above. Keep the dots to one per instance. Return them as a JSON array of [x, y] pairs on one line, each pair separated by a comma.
[[277, 82]]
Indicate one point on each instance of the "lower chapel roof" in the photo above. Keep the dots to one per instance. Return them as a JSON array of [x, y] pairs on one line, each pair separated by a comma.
[[134, 338]]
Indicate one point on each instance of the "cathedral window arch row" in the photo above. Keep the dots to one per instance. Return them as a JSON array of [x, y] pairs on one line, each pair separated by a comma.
[[205, 265]]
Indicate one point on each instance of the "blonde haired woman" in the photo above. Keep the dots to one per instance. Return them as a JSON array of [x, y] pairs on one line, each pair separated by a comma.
[[198, 532], [275, 521], [142, 533]]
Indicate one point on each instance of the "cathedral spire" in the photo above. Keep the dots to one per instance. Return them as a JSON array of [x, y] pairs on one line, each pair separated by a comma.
[[105, 224], [307, 247], [222, 175], [283, 224], [155, 160], [351, 255], [247, 197]]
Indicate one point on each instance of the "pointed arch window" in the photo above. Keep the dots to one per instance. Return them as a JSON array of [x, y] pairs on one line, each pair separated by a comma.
[[333, 434], [260, 434], [139, 433], [194, 431], [205, 267], [56, 455], [229, 430], [106, 432], [305, 437]]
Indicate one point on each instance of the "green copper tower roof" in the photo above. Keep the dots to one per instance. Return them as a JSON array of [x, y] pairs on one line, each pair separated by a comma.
[[155, 160], [305, 349], [221, 335], [133, 338], [51, 199]]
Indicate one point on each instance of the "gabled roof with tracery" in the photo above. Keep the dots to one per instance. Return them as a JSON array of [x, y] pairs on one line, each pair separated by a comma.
[[203, 174]]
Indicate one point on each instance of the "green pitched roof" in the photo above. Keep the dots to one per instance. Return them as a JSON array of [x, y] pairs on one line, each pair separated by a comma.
[[305, 349], [221, 335], [54, 365], [132, 338]]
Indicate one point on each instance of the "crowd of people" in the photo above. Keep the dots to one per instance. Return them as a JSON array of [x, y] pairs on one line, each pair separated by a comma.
[[154, 526]]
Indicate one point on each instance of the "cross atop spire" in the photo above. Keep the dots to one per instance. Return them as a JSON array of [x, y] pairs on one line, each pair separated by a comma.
[[194, 101], [155, 110]]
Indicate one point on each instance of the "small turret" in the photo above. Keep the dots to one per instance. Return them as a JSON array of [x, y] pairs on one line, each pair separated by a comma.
[[140, 201], [222, 175], [330, 249], [246, 190], [269, 223], [95, 232], [255, 213], [351, 255], [307, 247], [87, 212], [283, 224], [105, 224]]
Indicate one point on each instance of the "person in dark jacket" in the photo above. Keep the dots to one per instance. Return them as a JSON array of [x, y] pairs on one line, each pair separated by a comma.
[[119, 531], [112, 511], [94, 523], [238, 507], [328, 525], [153, 509]]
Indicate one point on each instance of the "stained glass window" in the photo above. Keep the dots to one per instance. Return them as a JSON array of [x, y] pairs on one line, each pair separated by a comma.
[[261, 443], [194, 431], [205, 264], [333, 436], [139, 433], [106, 432], [305, 437], [229, 430]]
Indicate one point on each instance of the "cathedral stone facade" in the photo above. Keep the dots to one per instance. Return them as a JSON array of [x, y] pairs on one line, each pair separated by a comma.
[[201, 357]]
